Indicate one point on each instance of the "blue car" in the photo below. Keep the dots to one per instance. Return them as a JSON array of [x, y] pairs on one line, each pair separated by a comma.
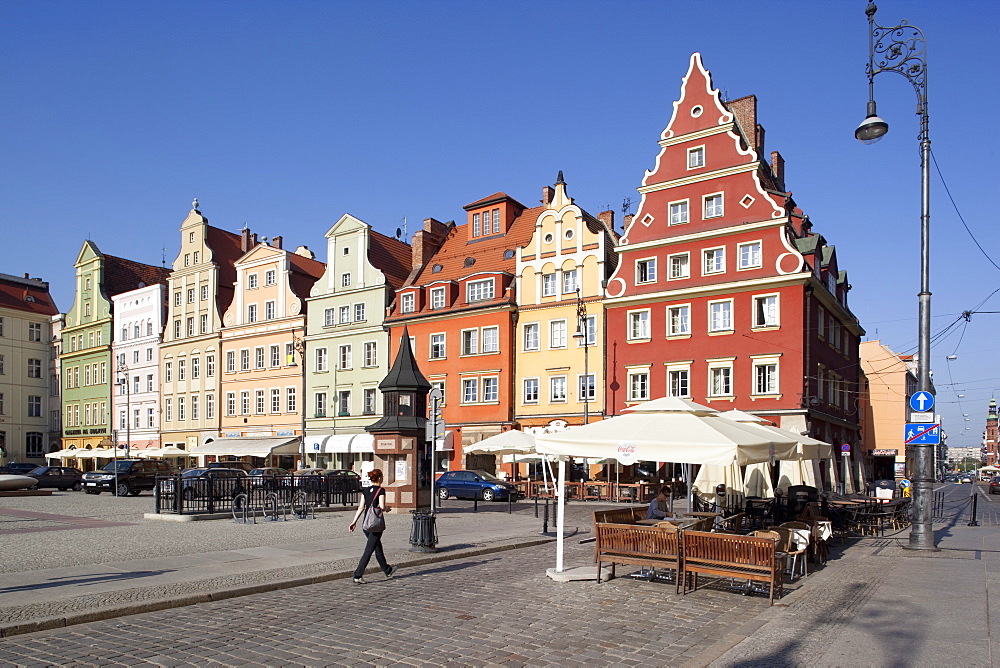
[[474, 485]]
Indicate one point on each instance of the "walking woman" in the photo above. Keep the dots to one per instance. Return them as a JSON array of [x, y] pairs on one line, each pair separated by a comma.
[[373, 495]]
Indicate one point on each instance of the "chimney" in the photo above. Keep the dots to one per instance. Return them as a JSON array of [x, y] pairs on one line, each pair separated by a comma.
[[428, 240], [248, 239], [548, 192], [276, 242], [627, 220], [27, 275], [745, 110], [778, 169], [608, 218]]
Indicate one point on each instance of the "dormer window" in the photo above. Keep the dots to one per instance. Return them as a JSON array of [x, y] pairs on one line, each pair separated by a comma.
[[496, 221], [475, 225], [407, 303], [479, 290]]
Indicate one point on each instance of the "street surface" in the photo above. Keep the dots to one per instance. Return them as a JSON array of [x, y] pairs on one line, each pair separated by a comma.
[[873, 604]]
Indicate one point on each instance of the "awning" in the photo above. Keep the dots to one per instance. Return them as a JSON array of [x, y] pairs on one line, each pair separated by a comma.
[[316, 444], [349, 444], [248, 447], [445, 443]]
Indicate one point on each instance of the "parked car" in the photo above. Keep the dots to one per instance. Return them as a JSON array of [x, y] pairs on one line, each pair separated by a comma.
[[268, 477], [231, 464], [58, 477], [219, 483], [474, 485], [18, 468], [966, 479], [126, 476], [995, 485]]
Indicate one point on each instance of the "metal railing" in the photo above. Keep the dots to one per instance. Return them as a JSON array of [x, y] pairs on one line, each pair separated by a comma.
[[191, 496]]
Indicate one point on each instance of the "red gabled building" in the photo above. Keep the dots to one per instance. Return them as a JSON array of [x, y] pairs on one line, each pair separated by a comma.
[[723, 292], [460, 310]]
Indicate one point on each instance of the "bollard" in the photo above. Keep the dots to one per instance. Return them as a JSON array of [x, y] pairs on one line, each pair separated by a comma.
[[536, 506], [975, 506], [545, 522], [423, 535], [475, 505], [510, 503]]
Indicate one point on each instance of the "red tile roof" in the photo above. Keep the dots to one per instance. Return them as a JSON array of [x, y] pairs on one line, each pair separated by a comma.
[[391, 256], [121, 275], [227, 247], [26, 294], [495, 197]]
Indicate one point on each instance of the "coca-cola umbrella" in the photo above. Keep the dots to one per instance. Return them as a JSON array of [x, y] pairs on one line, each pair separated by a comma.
[[665, 430]]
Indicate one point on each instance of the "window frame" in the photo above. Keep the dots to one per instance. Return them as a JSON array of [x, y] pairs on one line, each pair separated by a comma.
[[686, 329], [697, 152], [760, 316], [718, 211], [740, 265], [645, 266], [637, 320], [717, 252], [671, 266], [711, 316]]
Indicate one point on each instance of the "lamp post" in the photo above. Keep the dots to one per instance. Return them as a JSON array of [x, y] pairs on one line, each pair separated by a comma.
[[122, 372], [902, 49], [583, 332], [299, 345]]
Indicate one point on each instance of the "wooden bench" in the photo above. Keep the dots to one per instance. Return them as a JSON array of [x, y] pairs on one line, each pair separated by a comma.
[[637, 545], [627, 515], [730, 555]]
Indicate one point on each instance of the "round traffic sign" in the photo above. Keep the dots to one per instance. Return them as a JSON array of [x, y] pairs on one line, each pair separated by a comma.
[[904, 483], [846, 447]]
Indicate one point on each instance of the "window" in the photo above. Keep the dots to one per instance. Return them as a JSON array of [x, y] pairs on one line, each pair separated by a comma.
[[496, 221], [244, 403], [251, 313], [437, 298], [645, 270], [713, 205], [344, 355], [275, 400], [696, 157], [714, 260], [258, 357], [359, 313], [270, 277], [491, 339], [181, 369], [209, 406], [588, 388], [679, 266], [181, 409], [470, 390], [569, 282], [258, 401], [557, 389], [590, 331], [150, 387], [491, 389], [345, 280], [196, 257], [34, 368], [679, 320], [187, 259], [480, 290], [329, 317], [190, 326], [230, 403], [765, 377], [34, 331], [677, 381], [204, 293], [321, 360], [470, 342], [168, 410], [406, 303], [150, 418], [437, 346], [638, 386], [204, 324], [210, 365], [177, 299], [530, 341], [34, 406], [369, 399], [33, 444], [319, 404], [531, 390], [749, 255], [345, 315], [269, 310], [244, 360], [557, 334], [168, 368], [720, 316], [475, 225], [765, 311], [371, 353], [252, 281], [638, 325], [231, 361], [177, 329], [190, 294], [549, 285], [195, 367], [149, 354]]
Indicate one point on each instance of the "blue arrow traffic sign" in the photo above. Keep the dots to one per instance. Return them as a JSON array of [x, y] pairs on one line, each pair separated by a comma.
[[922, 401], [922, 434]]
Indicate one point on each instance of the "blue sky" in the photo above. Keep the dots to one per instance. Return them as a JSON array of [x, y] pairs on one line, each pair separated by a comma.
[[285, 115]]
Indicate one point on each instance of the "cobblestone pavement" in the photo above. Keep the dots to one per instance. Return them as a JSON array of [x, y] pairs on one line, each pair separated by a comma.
[[484, 610]]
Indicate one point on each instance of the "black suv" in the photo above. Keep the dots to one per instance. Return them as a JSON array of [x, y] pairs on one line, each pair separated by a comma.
[[133, 476]]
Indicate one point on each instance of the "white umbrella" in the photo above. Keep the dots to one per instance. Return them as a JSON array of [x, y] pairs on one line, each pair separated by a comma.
[[808, 447], [757, 481], [512, 442], [711, 476]]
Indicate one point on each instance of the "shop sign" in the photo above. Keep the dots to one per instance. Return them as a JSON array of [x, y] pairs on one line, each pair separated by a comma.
[[884, 452]]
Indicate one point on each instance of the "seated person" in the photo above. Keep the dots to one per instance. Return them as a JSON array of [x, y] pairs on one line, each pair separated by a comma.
[[658, 506]]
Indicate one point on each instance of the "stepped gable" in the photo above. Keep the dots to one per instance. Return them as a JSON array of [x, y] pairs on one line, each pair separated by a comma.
[[26, 294], [390, 256], [122, 275], [488, 252]]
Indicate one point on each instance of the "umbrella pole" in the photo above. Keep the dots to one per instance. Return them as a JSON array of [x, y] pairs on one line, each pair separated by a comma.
[[560, 514]]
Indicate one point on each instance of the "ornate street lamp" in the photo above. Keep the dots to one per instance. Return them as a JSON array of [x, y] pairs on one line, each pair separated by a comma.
[[122, 372], [299, 345], [583, 332], [902, 49]]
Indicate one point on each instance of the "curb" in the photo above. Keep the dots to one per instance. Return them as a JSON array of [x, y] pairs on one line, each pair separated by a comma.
[[48, 623]]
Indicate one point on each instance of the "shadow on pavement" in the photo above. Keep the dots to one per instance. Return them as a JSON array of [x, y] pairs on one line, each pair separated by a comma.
[[90, 579], [449, 568]]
